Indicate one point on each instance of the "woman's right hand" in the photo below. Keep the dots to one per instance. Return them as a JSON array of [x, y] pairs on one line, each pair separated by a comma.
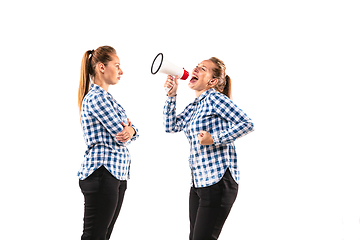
[[172, 83]]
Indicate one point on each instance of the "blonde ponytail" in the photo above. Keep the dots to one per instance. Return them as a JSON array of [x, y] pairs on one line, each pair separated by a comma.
[[84, 78]]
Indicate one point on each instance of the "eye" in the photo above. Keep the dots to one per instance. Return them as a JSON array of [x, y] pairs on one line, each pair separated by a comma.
[[204, 69]]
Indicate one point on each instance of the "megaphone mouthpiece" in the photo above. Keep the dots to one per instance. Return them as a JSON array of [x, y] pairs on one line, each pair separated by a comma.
[[185, 75]]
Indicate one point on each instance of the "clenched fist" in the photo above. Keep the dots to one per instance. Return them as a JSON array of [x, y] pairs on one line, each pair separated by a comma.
[[205, 138]]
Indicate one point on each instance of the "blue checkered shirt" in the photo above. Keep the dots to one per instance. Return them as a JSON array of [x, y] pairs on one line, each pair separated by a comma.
[[101, 117], [218, 115]]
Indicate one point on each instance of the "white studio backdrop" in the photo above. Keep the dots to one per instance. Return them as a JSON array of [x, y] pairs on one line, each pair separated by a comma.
[[295, 71]]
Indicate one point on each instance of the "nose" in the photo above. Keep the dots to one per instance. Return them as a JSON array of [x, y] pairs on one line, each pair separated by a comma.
[[121, 72]]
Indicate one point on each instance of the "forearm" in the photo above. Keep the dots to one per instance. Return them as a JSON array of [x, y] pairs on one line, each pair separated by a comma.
[[233, 133], [172, 123]]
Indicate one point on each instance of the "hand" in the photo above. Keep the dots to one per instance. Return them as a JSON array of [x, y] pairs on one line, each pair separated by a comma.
[[172, 83], [205, 138], [127, 133]]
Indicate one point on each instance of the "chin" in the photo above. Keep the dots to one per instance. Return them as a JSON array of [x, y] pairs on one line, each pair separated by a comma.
[[191, 86]]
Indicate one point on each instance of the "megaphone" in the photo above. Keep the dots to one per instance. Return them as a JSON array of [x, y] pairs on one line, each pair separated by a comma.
[[160, 64]]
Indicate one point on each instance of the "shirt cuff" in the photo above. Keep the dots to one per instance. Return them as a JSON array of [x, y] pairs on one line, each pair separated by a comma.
[[216, 139], [171, 99]]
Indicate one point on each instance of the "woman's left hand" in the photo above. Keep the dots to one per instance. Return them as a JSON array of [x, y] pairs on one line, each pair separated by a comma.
[[126, 134], [205, 138]]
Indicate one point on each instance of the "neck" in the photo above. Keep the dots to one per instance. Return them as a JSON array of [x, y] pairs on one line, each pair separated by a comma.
[[198, 93], [102, 84]]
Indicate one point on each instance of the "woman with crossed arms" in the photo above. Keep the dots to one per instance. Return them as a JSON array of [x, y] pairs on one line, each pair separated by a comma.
[[211, 124], [105, 170]]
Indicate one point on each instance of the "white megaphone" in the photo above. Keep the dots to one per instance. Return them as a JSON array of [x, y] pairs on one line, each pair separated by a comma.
[[160, 64]]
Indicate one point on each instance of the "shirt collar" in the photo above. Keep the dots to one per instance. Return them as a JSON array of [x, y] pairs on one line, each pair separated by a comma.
[[96, 87], [203, 95]]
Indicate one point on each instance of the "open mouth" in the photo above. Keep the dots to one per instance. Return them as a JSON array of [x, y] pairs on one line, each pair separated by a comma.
[[194, 78]]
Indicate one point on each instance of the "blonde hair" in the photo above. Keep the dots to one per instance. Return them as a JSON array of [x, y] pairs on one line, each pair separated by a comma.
[[224, 81]]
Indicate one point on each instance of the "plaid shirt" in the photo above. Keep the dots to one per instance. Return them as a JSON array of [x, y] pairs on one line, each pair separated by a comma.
[[218, 115], [101, 116]]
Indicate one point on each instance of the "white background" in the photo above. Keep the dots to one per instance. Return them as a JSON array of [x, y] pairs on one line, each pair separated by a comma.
[[295, 72]]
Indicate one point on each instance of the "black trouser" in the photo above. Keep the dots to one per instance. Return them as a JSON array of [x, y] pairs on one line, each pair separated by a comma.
[[103, 195], [210, 206]]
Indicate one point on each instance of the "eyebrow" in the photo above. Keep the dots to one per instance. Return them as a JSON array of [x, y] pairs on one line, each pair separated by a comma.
[[202, 65]]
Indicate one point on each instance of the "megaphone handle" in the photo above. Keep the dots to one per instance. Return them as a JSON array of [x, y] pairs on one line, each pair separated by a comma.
[[168, 89]]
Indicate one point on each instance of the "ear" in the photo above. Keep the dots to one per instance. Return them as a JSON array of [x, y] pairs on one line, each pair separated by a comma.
[[101, 67], [213, 82]]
